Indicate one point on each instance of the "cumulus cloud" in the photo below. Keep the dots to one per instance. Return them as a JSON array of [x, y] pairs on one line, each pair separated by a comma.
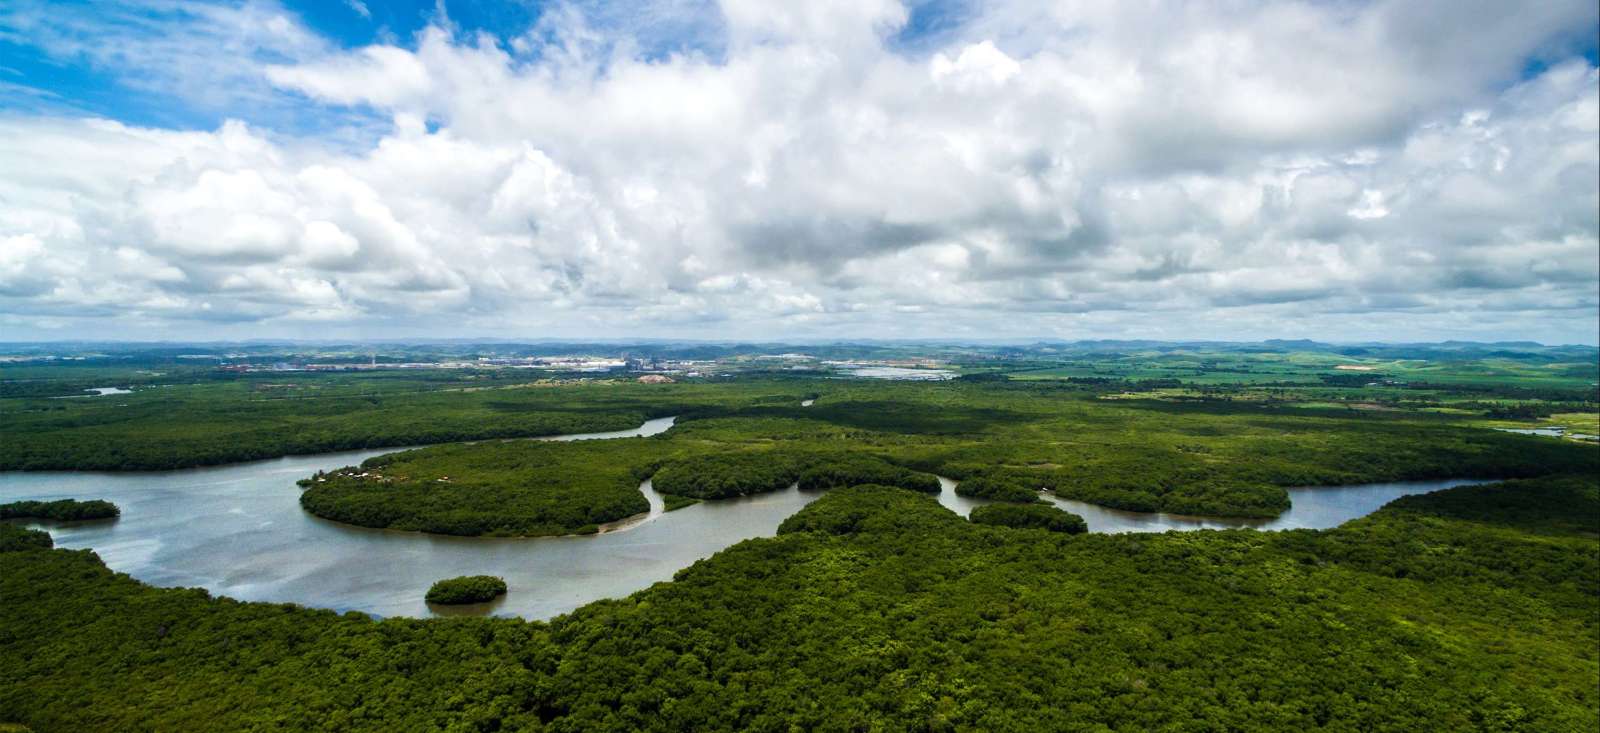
[[1351, 170]]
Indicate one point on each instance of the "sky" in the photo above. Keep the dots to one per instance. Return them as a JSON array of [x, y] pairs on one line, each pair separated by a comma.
[[1229, 170]]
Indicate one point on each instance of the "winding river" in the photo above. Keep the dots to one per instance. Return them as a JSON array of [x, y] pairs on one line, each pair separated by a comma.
[[238, 530]]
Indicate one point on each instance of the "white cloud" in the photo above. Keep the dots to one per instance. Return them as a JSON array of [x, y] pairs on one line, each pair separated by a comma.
[[1163, 170], [207, 54], [381, 75]]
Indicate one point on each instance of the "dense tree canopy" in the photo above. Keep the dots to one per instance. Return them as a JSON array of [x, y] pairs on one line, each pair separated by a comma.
[[466, 589], [1001, 486], [847, 470], [1029, 516], [1090, 441], [523, 488], [15, 537], [64, 510], [724, 475], [1003, 441], [206, 423], [869, 507], [1468, 609]]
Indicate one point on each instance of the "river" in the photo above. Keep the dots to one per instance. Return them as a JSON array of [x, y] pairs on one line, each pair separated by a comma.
[[1310, 507], [238, 530]]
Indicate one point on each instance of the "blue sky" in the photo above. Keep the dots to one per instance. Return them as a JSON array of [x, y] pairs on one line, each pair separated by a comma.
[[47, 80], [1358, 170], [76, 84]]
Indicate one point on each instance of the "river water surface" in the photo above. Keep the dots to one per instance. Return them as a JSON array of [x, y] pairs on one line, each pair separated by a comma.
[[1311, 507], [239, 531]]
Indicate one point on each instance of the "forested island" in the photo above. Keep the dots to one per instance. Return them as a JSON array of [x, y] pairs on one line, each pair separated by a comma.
[[1468, 609], [873, 606], [799, 366], [1029, 516], [466, 589], [1001, 441], [521, 488], [61, 510]]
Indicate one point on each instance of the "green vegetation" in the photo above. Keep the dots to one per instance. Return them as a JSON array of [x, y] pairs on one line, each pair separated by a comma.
[[1211, 457], [1424, 366], [1469, 609], [1578, 423], [849, 470], [1029, 516], [868, 508], [724, 475], [673, 502], [63, 510], [874, 608], [1000, 487], [1117, 410], [15, 537], [1002, 440], [260, 416], [504, 488], [467, 589], [1212, 431], [1528, 506]]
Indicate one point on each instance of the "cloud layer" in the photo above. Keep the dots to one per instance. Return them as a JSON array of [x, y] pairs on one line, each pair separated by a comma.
[[1237, 170]]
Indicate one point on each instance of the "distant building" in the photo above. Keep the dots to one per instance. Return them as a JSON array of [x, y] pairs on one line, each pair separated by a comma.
[[656, 379]]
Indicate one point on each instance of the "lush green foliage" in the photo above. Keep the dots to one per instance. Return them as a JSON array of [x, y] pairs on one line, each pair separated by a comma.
[[467, 589], [723, 475], [206, 423], [522, 488], [1525, 505], [15, 537], [1000, 486], [1201, 432], [869, 508], [1029, 516], [877, 609], [1203, 457], [674, 502], [1004, 441], [65, 510], [874, 608], [848, 470]]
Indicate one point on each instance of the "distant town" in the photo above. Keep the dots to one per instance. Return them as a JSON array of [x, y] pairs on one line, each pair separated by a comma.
[[647, 367]]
